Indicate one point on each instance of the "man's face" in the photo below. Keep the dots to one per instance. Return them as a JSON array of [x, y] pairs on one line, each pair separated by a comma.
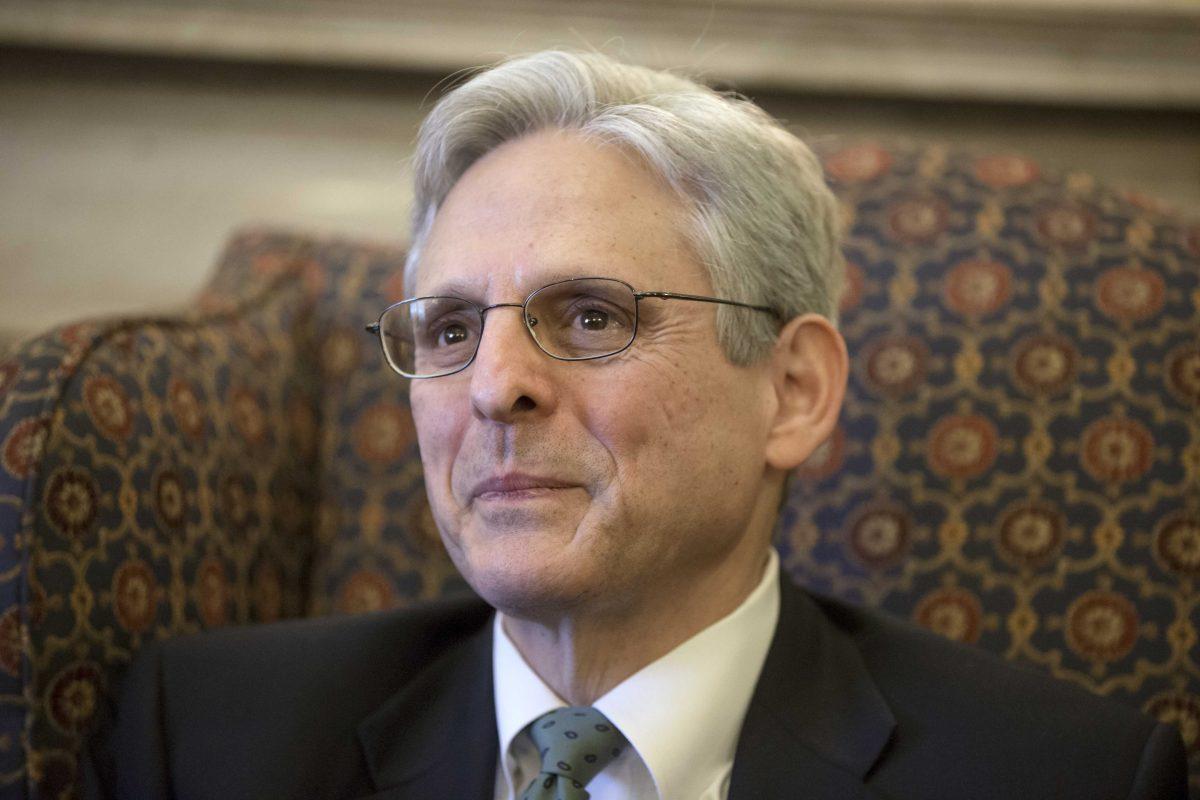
[[608, 482]]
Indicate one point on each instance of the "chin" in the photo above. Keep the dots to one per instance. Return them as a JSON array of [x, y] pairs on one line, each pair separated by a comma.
[[524, 585]]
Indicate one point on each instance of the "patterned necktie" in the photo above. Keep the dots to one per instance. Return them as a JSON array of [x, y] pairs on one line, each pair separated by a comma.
[[575, 743]]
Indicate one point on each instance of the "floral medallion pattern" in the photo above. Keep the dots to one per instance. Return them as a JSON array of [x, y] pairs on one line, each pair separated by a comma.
[[858, 164], [20, 452], [1117, 450], [1005, 171], [136, 596], [109, 406], [1183, 373], [74, 697], [169, 500], [1102, 626], [879, 537], [212, 593], [1017, 465], [852, 287], [366, 590], [249, 420], [186, 408], [72, 502], [1044, 364], [896, 365], [918, 220], [233, 500], [341, 353], [1177, 544], [962, 446], [1031, 535], [1130, 294], [1066, 226], [977, 288], [955, 613], [383, 433]]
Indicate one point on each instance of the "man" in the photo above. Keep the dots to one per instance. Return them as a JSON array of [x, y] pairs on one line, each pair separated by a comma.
[[619, 343]]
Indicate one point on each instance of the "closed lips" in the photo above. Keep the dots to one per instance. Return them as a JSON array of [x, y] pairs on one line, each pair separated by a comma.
[[517, 482]]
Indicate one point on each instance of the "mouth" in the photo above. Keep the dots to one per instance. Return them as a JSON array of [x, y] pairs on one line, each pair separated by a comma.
[[515, 486]]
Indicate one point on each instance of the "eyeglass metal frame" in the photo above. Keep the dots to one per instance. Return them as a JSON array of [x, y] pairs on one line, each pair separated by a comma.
[[376, 328]]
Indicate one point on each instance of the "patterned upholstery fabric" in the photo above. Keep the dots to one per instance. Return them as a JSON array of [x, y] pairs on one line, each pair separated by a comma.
[[1018, 461], [155, 477], [1018, 464]]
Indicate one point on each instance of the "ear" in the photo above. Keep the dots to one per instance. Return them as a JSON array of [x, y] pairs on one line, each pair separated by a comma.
[[809, 367]]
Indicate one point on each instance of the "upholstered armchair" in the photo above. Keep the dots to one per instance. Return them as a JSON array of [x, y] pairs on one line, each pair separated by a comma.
[[1017, 466]]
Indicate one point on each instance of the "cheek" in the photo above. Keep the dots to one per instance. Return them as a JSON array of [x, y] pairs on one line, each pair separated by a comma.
[[439, 432], [648, 431], [692, 434]]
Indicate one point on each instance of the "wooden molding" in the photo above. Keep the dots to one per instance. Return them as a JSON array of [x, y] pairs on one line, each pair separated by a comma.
[[1094, 52]]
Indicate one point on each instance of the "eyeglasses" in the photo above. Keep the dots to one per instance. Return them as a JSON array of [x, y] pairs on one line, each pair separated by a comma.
[[579, 319]]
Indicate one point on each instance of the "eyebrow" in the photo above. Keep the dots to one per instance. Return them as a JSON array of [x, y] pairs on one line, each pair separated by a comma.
[[456, 288]]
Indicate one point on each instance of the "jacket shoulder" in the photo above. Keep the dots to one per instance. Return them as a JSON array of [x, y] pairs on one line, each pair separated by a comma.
[[1002, 725], [322, 671], [275, 705], [395, 642]]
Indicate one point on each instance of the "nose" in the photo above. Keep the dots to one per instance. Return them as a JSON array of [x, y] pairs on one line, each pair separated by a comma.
[[510, 377]]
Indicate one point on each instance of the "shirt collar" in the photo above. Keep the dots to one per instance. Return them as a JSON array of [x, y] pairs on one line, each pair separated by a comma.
[[683, 712]]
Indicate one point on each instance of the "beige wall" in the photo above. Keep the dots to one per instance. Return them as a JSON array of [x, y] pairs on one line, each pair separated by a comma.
[[120, 177]]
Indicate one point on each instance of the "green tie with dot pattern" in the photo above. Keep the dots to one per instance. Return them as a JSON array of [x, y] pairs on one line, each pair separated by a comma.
[[575, 743]]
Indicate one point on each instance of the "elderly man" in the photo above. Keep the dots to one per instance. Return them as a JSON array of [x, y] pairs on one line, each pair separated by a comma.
[[619, 343]]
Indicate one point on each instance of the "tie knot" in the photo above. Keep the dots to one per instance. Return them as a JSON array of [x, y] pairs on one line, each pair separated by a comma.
[[575, 743]]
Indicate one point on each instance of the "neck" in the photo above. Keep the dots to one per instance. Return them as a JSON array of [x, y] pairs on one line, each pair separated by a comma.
[[582, 655]]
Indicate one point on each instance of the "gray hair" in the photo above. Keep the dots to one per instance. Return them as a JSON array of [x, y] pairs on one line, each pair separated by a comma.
[[763, 222]]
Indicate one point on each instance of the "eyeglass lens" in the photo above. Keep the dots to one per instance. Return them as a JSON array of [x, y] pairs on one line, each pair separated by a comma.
[[574, 319]]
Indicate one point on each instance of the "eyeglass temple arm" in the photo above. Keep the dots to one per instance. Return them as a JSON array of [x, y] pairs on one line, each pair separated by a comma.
[[680, 296], [372, 327]]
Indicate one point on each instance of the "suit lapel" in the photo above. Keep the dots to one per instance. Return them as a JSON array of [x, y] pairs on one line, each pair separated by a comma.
[[816, 722], [437, 736], [815, 726]]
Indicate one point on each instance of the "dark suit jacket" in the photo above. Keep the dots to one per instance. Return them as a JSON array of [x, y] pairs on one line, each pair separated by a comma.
[[850, 704]]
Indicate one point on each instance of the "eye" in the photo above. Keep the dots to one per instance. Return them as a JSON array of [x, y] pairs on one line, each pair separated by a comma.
[[594, 319], [593, 315], [452, 334]]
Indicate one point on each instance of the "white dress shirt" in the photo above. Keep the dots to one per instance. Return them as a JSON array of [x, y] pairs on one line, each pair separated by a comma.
[[682, 713]]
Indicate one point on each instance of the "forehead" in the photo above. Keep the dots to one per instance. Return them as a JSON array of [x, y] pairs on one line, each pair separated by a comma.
[[555, 205]]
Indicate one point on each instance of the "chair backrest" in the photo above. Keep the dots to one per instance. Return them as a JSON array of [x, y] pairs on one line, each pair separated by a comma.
[[1018, 461], [156, 477], [1018, 464]]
